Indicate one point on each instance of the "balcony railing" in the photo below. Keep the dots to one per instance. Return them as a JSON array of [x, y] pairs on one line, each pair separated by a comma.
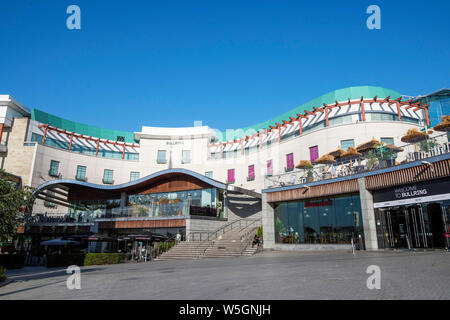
[[434, 146]]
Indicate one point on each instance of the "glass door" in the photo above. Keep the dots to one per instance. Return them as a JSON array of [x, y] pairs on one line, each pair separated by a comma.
[[446, 222]]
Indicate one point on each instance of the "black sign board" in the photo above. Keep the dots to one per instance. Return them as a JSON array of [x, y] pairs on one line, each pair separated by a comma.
[[413, 193]]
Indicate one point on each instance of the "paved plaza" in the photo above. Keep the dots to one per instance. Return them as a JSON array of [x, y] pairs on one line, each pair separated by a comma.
[[268, 275]]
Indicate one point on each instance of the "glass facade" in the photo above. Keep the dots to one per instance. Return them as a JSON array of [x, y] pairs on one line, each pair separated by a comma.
[[82, 149], [203, 202], [318, 221]]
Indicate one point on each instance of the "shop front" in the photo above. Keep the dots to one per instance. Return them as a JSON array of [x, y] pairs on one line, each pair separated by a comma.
[[327, 221], [414, 215]]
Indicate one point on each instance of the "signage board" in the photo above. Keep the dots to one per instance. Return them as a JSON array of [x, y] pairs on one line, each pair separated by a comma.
[[420, 192]]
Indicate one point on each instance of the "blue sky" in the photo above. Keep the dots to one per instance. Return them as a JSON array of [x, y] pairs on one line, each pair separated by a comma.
[[228, 63]]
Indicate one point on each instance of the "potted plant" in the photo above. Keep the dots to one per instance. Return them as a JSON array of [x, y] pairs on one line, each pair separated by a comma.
[[427, 145], [372, 159]]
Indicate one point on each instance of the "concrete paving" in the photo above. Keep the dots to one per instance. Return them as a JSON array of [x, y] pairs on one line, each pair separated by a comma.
[[268, 275]]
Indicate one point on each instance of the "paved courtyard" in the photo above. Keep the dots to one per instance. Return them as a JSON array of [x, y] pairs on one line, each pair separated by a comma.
[[268, 275]]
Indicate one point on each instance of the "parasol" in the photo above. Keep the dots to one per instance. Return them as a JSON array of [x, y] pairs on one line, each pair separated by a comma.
[[393, 148], [414, 136], [337, 153], [370, 145], [444, 125], [304, 164], [351, 153], [325, 159]]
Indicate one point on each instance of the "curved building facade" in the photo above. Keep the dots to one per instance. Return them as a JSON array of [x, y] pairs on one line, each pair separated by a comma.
[[56, 148], [196, 179]]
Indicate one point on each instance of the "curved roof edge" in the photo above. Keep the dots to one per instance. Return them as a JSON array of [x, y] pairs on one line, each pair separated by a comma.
[[119, 187], [328, 98], [87, 130]]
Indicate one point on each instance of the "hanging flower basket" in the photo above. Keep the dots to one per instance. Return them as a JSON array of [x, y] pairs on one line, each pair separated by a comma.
[[414, 136]]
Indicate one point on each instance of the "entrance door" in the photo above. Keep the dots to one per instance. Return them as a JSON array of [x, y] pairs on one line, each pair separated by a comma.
[[438, 221], [417, 227], [446, 222], [399, 228]]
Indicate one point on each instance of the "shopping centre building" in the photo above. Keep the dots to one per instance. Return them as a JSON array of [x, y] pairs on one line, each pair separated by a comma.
[[337, 169]]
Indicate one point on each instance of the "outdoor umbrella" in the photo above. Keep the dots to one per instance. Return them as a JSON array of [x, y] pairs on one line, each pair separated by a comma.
[[444, 125], [336, 154], [58, 242], [304, 164], [393, 148], [367, 146], [414, 136], [99, 237], [350, 154], [325, 159]]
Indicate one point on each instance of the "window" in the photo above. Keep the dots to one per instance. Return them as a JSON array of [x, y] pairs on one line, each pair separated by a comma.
[[209, 174], [387, 140], [269, 168], [81, 173], [54, 168], [345, 144], [108, 176], [313, 153], [251, 173], [161, 156], [186, 155], [230, 178], [289, 162], [134, 175], [340, 120], [382, 117]]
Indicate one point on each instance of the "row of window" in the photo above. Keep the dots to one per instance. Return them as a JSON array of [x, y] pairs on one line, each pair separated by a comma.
[[80, 175], [162, 156], [290, 163], [84, 150]]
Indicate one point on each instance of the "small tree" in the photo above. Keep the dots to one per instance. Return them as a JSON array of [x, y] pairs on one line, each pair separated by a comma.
[[15, 203]]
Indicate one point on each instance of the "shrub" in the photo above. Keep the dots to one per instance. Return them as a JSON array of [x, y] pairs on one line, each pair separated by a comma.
[[12, 261], [64, 260], [102, 258], [260, 232], [2, 274], [164, 246]]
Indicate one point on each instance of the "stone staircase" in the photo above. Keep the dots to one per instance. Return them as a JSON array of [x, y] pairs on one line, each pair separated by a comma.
[[227, 245], [186, 250]]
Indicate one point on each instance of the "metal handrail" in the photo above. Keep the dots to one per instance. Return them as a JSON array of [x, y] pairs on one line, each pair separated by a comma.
[[245, 238], [344, 168], [212, 235]]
